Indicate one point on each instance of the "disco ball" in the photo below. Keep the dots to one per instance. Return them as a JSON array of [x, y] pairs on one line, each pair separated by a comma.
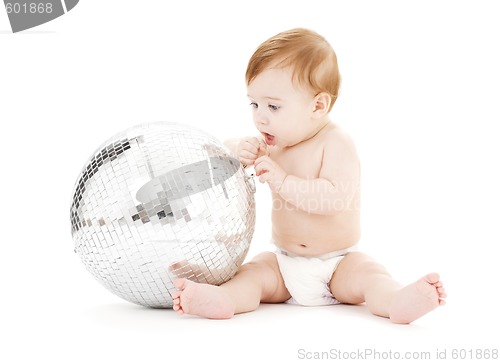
[[160, 201]]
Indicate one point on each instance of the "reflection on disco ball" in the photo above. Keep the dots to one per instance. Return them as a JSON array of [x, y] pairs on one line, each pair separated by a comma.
[[157, 202]]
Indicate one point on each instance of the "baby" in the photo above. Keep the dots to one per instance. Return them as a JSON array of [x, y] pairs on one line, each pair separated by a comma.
[[312, 169]]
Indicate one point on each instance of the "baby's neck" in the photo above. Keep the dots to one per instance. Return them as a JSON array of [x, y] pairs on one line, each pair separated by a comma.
[[321, 124]]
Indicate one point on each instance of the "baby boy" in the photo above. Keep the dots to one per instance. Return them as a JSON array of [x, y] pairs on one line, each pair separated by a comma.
[[312, 168]]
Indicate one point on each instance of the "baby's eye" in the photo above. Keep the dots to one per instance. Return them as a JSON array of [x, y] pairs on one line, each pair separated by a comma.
[[273, 107], [254, 105]]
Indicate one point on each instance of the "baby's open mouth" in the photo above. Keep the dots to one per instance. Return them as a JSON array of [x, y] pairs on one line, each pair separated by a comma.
[[270, 139]]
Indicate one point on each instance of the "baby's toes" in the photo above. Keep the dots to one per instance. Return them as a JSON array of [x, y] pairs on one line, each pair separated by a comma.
[[176, 302], [177, 307], [180, 283], [438, 284], [442, 295]]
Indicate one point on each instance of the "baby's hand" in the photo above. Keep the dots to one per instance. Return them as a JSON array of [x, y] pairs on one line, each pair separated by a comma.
[[249, 149], [270, 172]]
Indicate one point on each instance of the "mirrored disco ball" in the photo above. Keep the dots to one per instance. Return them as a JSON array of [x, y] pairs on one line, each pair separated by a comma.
[[157, 202]]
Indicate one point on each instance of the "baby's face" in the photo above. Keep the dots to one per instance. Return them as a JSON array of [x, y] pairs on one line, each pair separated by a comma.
[[282, 110]]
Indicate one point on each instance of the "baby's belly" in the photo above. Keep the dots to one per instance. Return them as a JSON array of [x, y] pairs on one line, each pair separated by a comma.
[[309, 235]]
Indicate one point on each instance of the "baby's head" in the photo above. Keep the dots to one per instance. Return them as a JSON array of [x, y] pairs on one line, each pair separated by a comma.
[[310, 57]]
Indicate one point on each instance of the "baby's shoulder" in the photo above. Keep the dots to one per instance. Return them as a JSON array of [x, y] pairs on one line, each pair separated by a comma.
[[335, 137]]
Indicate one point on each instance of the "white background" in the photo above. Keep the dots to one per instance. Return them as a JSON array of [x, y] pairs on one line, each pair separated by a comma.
[[420, 97]]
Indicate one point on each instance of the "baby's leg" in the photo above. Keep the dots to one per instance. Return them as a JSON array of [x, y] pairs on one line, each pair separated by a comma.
[[257, 281], [359, 279]]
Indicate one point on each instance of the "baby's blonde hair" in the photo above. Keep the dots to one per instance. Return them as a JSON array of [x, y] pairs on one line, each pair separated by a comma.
[[311, 58]]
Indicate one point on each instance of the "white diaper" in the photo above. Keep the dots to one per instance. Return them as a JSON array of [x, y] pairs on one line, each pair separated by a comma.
[[308, 278]]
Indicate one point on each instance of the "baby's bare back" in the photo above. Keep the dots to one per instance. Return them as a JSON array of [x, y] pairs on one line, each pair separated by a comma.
[[329, 158]]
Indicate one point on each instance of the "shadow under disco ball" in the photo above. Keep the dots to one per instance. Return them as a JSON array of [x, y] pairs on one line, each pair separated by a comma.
[[157, 202]]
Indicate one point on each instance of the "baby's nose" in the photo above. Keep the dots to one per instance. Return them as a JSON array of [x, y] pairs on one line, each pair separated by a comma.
[[262, 119]]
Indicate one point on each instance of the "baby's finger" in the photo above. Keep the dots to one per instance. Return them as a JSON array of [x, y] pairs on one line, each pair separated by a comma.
[[263, 159], [264, 177], [247, 162], [263, 149], [250, 149], [251, 144], [262, 167], [248, 155]]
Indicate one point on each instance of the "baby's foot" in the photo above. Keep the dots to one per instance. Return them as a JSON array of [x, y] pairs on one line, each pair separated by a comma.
[[417, 299], [205, 300]]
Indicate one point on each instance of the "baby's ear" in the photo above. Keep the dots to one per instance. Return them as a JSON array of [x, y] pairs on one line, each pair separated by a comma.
[[322, 103]]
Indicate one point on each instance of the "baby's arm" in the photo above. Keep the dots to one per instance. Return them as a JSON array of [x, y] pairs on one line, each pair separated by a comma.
[[331, 192]]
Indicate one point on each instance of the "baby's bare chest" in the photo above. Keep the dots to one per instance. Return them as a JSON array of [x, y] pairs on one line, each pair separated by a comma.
[[304, 161]]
